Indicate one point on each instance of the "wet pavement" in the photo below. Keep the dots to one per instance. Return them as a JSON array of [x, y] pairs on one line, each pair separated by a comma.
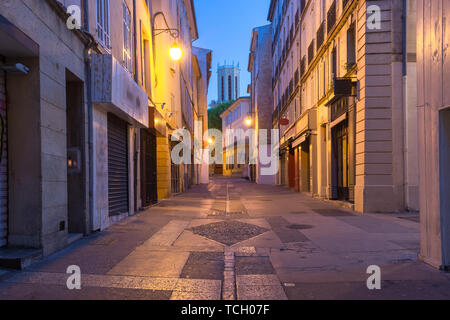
[[236, 240]]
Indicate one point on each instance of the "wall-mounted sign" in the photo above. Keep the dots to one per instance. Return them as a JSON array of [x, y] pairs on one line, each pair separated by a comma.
[[284, 122]]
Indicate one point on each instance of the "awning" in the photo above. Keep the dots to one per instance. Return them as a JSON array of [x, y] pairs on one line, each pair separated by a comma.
[[299, 140], [338, 120]]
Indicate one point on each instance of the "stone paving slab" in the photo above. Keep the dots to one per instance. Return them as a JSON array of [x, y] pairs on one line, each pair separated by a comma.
[[257, 292], [253, 265], [168, 234], [23, 291], [100, 281], [257, 280], [204, 265], [151, 264]]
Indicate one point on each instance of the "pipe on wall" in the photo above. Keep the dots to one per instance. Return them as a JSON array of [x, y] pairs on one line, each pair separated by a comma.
[[90, 119]]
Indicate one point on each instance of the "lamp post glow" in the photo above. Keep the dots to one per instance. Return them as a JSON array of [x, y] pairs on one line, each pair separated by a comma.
[[248, 122], [175, 52]]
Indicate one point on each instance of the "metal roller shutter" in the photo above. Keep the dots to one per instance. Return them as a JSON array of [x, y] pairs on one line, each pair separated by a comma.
[[3, 163], [117, 165]]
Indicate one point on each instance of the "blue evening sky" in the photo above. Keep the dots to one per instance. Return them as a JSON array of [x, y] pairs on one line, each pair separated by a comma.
[[225, 27]]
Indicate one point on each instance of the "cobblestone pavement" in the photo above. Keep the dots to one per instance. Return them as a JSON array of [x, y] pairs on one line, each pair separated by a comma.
[[236, 240]]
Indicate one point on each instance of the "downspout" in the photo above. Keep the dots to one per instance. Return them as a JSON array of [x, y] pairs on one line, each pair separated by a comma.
[[88, 70], [405, 104]]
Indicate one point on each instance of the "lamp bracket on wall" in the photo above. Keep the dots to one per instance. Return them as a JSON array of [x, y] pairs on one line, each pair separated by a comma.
[[175, 33]]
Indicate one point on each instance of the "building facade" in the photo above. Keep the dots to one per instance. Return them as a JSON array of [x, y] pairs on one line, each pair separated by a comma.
[[434, 130], [44, 116], [87, 109], [228, 83], [260, 67], [345, 120], [236, 139], [203, 59], [174, 90]]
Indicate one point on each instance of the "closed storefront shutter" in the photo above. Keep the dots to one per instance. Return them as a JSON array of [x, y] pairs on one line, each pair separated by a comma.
[[3, 164], [117, 165]]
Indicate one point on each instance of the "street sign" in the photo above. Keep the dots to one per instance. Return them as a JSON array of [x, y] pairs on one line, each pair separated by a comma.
[[284, 122]]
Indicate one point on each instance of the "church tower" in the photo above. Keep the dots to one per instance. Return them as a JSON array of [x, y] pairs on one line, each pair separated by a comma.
[[228, 82]]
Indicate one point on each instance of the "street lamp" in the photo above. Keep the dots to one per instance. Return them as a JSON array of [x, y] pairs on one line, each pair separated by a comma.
[[248, 122], [175, 50]]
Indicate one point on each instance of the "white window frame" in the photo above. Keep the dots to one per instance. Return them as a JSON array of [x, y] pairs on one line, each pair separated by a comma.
[[127, 36], [103, 23]]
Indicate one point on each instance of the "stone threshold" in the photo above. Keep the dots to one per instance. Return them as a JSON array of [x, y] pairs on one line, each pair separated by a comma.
[[19, 258]]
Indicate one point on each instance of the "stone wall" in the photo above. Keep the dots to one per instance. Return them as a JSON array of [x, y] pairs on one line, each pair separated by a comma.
[[38, 127]]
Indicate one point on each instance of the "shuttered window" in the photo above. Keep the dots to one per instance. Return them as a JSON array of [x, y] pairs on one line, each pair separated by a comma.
[[117, 165]]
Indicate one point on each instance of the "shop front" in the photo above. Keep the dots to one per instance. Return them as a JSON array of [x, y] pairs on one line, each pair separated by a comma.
[[343, 156], [120, 111]]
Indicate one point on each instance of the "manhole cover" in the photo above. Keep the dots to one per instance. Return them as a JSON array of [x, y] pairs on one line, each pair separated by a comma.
[[228, 232], [300, 226]]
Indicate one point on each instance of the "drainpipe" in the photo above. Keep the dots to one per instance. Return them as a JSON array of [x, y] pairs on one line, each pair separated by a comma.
[[90, 120], [405, 104]]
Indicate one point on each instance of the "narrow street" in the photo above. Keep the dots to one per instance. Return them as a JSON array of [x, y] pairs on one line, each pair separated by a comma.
[[233, 239]]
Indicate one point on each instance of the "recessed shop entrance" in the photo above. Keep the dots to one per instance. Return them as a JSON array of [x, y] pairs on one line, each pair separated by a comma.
[[340, 159], [149, 190], [76, 179], [444, 180]]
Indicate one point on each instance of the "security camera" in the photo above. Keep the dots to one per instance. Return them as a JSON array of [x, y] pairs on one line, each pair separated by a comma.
[[16, 68]]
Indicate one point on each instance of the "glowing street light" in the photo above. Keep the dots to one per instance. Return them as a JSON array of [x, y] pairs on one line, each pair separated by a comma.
[[248, 122], [175, 52]]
